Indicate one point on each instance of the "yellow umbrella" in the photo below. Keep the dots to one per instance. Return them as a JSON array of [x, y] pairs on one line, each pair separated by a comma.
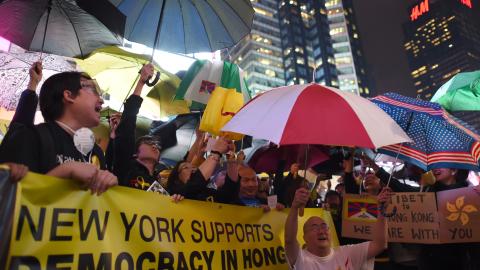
[[161, 97], [116, 72]]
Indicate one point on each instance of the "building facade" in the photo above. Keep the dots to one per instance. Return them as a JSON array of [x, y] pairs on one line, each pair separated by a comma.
[[347, 48], [300, 41], [442, 38], [260, 54], [306, 45]]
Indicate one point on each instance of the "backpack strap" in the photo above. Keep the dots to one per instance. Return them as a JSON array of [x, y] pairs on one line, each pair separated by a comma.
[[47, 147]]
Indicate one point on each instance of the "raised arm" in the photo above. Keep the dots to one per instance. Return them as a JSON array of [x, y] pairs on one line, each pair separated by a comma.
[[124, 143], [233, 162], [220, 147], [27, 105], [197, 147], [384, 177], [379, 242], [292, 246]]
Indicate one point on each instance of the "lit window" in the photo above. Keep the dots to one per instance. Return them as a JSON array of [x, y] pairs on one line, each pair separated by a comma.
[[299, 50], [264, 61], [270, 73]]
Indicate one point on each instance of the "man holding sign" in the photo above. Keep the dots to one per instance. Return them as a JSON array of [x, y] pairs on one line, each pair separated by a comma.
[[318, 253]]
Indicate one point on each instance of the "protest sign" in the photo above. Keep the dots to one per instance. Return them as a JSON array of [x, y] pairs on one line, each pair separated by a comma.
[[459, 211], [359, 214], [450, 217], [56, 224]]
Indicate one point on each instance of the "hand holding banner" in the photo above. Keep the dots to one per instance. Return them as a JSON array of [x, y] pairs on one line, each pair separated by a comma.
[[450, 217], [56, 224]]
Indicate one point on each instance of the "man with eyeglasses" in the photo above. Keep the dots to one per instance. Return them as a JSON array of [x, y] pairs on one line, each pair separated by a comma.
[[318, 253], [63, 146]]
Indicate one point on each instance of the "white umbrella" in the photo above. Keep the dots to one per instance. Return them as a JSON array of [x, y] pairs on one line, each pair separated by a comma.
[[315, 114], [14, 73]]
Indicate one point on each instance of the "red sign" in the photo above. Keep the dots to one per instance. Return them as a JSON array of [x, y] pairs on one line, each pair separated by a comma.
[[421, 9]]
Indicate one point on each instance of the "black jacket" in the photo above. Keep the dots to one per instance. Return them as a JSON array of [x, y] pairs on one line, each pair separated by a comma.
[[197, 188], [130, 172], [285, 187], [26, 108]]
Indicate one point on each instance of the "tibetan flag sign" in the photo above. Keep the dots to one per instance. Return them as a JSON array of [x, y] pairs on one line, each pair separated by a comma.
[[362, 209], [450, 216], [204, 76]]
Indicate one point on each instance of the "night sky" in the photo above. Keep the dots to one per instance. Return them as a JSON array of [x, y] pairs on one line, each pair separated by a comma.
[[380, 23]]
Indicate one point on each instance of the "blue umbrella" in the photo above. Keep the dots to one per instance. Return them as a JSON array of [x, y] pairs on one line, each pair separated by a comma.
[[182, 26], [439, 140]]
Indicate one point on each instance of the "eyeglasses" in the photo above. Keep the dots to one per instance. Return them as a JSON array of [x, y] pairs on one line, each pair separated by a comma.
[[319, 227], [152, 143], [92, 86]]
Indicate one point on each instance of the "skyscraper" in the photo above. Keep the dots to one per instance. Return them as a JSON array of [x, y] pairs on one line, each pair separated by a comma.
[[306, 46], [442, 38], [260, 53], [298, 41], [348, 53]]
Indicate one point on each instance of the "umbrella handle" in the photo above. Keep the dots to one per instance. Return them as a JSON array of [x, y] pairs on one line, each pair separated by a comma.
[[155, 80], [384, 213], [301, 211]]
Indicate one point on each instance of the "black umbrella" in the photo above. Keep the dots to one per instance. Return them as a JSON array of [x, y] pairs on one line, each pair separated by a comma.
[[59, 26], [178, 135]]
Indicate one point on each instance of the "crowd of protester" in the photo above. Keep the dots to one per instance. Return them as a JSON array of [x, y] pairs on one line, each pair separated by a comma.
[[64, 146]]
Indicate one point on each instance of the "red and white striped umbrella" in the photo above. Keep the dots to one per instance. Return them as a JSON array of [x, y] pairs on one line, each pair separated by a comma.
[[315, 114]]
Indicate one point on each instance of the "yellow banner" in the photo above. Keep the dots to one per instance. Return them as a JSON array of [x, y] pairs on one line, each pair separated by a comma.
[[59, 225]]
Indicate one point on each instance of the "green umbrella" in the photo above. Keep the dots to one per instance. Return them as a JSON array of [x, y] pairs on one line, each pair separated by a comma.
[[460, 93]]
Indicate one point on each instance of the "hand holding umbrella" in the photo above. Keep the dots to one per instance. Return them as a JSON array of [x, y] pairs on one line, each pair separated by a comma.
[[300, 200], [157, 34], [36, 73], [145, 74]]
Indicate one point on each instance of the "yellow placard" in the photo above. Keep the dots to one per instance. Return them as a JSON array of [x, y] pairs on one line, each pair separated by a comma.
[[57, 224], [221, 107]]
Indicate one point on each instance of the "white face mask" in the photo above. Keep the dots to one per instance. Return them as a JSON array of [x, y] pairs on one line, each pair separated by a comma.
[[84, 140]]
